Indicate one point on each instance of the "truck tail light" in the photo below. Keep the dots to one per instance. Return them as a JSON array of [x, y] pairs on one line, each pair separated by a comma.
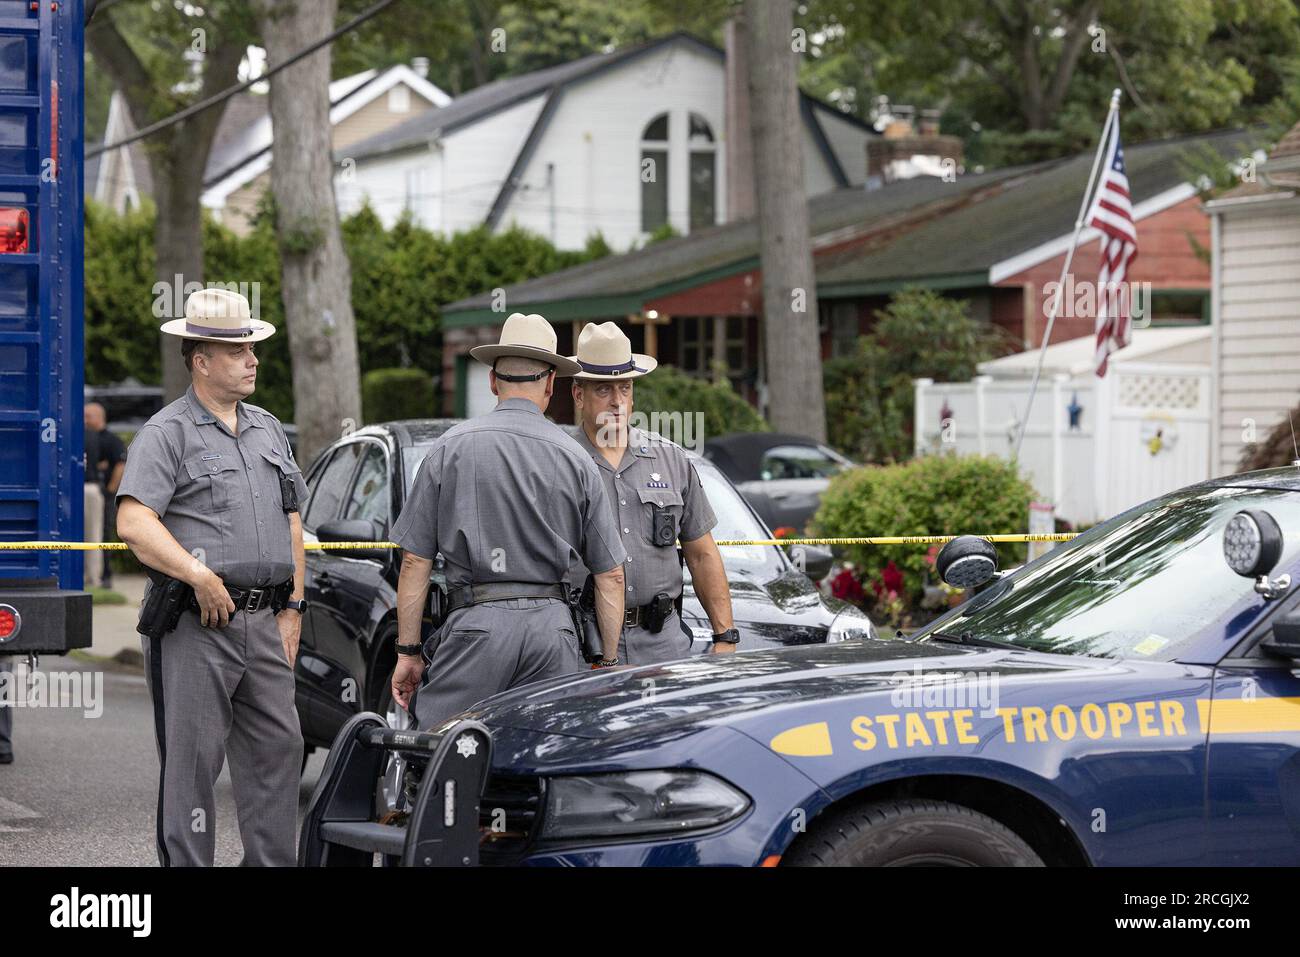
[[9, 622], [13, 230]]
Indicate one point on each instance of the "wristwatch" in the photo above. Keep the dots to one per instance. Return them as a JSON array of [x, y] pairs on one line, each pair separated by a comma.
[[729, 637], [300, 606], [409, 650]]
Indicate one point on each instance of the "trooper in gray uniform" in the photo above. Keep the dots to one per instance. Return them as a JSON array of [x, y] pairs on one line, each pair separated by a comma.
[[209, 498], [512, 503], [656, 496]]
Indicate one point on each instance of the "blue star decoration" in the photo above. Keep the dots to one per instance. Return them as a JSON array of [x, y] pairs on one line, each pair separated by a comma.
[[1075, 411]]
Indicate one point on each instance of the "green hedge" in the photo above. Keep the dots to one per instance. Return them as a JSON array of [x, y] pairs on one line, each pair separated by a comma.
[[669, 390], [932, 495], [391, 394], [400, 279]]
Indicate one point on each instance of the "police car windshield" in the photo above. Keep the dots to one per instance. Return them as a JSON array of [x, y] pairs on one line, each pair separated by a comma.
[[737, 522], [1144, 585]]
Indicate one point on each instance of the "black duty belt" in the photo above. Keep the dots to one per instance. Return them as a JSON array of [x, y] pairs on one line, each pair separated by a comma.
[[636, 617], [255, 599], [466, 595]]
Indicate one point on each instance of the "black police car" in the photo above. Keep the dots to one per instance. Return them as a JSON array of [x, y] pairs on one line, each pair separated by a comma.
[[357, 488]]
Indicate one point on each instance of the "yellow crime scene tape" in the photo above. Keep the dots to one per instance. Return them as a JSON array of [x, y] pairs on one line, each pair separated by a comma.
[[330, 546]]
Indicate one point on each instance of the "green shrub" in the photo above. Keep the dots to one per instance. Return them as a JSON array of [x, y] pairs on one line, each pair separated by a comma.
[[932, 495], [869, 394], [391, 394], [670, 390]]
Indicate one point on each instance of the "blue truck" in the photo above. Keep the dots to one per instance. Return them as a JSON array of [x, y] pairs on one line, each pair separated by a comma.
[[42, 607]]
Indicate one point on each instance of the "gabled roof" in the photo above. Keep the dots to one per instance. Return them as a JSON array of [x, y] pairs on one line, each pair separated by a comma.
[[1033, 212], [947, 235], [1276, 180], [618, 284], [242, 147], [500, 94]]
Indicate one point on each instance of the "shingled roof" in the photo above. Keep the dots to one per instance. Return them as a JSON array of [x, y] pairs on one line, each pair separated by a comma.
[[943, 233], [500, 94]]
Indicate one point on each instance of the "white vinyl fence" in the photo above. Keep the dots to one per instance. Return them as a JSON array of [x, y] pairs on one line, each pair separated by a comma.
[[1140, 431]]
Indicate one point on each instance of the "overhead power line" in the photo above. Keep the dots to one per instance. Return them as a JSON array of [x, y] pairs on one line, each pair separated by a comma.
[[227, 93]]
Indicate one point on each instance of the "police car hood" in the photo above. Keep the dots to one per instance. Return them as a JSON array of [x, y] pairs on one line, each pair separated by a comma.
[[626, 704]]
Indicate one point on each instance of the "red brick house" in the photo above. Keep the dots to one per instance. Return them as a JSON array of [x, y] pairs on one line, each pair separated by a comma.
[[994, 239]]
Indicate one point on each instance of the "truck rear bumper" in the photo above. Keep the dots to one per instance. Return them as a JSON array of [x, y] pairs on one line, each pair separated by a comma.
[[51, 621]]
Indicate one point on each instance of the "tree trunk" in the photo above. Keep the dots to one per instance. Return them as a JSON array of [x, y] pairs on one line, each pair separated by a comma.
[[177, 157], [178, 253], [316, 282], [792, 345]]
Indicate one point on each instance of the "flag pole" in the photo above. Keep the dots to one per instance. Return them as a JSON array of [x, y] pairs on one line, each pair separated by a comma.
[[1065, 267]]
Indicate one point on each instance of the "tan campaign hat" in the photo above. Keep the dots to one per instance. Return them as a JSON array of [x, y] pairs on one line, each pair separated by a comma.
[[605, 352], [218, 315], [529, 337]]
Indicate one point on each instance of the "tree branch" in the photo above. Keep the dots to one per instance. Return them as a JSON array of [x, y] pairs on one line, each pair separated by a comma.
[[1070, 51], [111, 51]]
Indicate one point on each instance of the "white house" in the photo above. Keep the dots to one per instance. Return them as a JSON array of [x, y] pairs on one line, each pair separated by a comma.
[[238, 168], [617, 143], [361, 106], [1255, 303]]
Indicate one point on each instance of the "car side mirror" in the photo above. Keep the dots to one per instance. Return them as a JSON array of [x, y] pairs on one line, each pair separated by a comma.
[[351, 530], [967, 561], [813, 560], [1284, 642]]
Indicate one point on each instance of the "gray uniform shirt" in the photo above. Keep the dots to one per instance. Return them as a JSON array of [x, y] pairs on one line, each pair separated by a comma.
[[216, 491], [652, 472], [508, 496]]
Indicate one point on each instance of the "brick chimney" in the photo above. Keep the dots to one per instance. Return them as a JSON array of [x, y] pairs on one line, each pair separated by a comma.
[[739, 147], [902, 152]]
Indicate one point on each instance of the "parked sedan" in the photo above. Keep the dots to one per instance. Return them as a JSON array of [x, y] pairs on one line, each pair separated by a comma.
[[781, 475], [357, 488]]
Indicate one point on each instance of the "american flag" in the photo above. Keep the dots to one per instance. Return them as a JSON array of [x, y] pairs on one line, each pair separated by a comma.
[[1112, 213]]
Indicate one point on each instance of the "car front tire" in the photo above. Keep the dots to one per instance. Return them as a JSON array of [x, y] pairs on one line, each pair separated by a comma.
[[910, 833]]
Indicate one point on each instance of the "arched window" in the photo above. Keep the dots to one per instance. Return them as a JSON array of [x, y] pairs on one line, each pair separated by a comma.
[[654, 174], [704, 193]]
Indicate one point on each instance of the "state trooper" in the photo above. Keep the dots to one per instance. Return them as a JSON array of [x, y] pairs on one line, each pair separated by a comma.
[[512, 503], [209, 498], [656, 496]]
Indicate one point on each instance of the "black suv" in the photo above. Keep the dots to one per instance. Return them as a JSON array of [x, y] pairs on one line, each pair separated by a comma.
[[357, 488]]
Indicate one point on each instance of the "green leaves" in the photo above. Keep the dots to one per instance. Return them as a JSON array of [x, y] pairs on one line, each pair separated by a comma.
[[401, 277], [869, 395], [669, 390], [934, 495]]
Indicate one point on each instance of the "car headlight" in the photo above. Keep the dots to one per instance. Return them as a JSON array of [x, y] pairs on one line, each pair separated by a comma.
[[638, 802], [850, 628]]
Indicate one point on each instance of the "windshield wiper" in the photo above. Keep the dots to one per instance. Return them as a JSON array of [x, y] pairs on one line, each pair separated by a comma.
[[966, 638]]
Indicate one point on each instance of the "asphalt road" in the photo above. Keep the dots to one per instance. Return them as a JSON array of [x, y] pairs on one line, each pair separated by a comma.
[[82, 790]]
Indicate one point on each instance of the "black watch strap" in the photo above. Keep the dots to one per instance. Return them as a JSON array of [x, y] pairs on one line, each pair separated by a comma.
[[411, 650], [731, 637]]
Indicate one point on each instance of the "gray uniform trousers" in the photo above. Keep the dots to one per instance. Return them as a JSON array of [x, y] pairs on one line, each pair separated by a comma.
[[7, 713], [221, 692], [639, 646], [492, 647]]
